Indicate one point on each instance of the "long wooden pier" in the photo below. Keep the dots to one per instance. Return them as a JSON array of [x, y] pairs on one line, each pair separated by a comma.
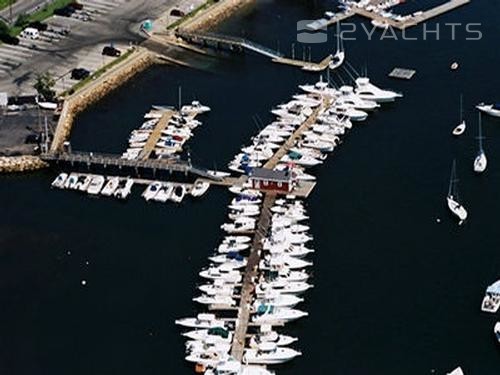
[[236, 44], [155, 135], [105, 161], [251, 271]]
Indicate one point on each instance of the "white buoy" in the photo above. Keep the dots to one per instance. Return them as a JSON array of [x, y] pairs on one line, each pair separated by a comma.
[[84, 282], [438, 220]]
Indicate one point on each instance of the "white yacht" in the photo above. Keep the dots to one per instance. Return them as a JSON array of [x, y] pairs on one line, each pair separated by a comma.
[[229, 246], [300, 159], [233, 259], [491, 300], [490, 109], [268, 354], [279, 260], [317, 144], [342, 109], [460, 128], [215, 300], [178, 194], [124, 189], [71, 181], [199, 188], [194, 108], [208, 358], [96, 185], [202, 321], [151, 191], [457, 371], [59, 181], [86, 183], [266, 334], [110, 186], [278, 300], [368, 91], [164, 193], [348, 97], [284, 287], [496, 330], [240, 225], [452, 199], [224, 272], [480, 162], [217, 333]]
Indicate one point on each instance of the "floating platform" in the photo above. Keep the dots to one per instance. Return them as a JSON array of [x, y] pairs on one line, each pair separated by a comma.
[[402, 73]]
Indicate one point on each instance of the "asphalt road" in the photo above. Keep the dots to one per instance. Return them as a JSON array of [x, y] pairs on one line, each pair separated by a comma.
[[121, 25], [21, 7]]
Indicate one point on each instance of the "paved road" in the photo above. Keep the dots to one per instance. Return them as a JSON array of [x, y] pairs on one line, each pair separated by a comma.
[[114, 21], [22, 7]]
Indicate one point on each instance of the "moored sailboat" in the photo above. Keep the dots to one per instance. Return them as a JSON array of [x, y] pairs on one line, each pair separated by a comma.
[[452, 198], [480, 162]]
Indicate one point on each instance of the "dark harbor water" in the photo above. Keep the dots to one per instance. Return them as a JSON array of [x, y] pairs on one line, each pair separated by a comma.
[[395, 291]]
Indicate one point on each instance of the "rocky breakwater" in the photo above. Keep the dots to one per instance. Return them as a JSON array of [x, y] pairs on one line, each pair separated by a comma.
[[25, 163]]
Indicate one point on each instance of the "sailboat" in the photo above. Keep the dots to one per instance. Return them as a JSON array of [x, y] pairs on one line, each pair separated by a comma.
[[460, 128], [452, 199], [480, 162], [339, 57]]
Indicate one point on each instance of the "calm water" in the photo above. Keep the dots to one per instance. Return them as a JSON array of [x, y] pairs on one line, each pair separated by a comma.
[[395, 292]]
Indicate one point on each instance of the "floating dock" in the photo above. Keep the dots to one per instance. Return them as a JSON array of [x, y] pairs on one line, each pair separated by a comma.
[[402, 73], [155, 135]]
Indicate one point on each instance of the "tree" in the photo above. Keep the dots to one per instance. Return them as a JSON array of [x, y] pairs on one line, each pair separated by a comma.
[[22, 20], [4, 29], [44, 84]]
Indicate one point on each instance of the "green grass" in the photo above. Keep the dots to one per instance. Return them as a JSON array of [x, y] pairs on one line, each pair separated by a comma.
[[42, 14], [5, 3], [190, 15], [97, 73]]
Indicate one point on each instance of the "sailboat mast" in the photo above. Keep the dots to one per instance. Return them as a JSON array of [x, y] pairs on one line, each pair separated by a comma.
[[452, 178], [480, 134], [461, 108]]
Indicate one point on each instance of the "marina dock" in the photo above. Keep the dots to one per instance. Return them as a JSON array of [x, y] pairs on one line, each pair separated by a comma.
[[155, 136], [251, 270]]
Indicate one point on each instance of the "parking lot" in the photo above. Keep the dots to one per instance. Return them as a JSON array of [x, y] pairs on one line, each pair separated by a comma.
[[74, 42]]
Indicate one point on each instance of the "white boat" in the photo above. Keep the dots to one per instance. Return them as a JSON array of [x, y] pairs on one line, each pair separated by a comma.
[[339, 57], [218, 287], [496, 330], [96, 185], [232, 259], [491, 300], [480, 162], [199, 188], [452, 199], [48, 105], [194, 108], [279, 260], [342, 109], [278, 300], [110, 187], [300, 159], [224, 247], [240, 225], [151, 191], [178, 194], [269, 354], [284, 287], [208, 358], [230, 366], [457, 371], [71, 181], [84, 185], [224, 272], [490, 109], [59, 181], [218, 333], [215, 300], [266, 334], [460, 128], [164, 193], [380, 24], [368, 91], [124, 189], [202, 321], [348, 97]]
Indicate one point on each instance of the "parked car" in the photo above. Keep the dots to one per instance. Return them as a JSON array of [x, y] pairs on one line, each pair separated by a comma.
[[6, 38], [76, 5], [79, 73], [30, 33], [66, 11], [111, 51], [40, 26], [177, 13]]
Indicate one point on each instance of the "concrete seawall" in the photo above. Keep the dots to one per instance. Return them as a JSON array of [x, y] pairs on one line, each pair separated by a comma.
[[13, 164], [215, 14]]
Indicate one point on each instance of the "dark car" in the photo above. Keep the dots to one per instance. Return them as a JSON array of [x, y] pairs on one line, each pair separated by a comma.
[[9, 39], [111, 51], [177, 13], [76, 5], [40, 26], [79, 73], [66, 11]]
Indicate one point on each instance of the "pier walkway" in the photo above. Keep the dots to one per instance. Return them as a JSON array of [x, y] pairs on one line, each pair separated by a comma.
[[96, 160], [251, 271], [155, 135], [240, 44]]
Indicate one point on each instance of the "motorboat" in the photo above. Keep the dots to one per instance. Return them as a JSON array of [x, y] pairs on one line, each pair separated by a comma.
[[317, 144], [224, 272], [480, 162], [457, 371], [269, 262], [164, 193], [152, 189], [231, 258], [348, 97], [71, 181], [243, 199], [178, 194], [452, 198], [490, 109], [217, 288], [194, 108], [218, 333], [202, 321], [268, 335], [230, 366], [84, 185], [368, 91], [284, 287], [208, 358], [124, 189], [491, 300], [300, 159], [110, 186], [269, 353], [229, 246], [342, 109], [59, 181], [282, 273], [96, 185], [199, 188], [215, 300], [278, 300]]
